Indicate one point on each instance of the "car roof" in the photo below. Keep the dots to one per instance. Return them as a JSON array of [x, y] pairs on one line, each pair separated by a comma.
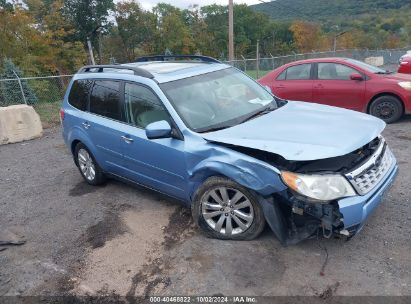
[[326, 59], [162, 71]]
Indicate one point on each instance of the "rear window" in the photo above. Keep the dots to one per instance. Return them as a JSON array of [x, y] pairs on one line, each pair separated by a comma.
[[105, 99], [79, 94]]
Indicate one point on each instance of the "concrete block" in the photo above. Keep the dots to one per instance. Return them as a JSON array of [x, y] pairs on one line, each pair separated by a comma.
[[19, 123], [375, 61]]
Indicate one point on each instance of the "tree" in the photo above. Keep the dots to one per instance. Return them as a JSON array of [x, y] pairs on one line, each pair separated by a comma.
[[11, 90], [90, 19], [6, 6], [172, 31], [306, 35], [202, 38], [216, 18], [136, 29]]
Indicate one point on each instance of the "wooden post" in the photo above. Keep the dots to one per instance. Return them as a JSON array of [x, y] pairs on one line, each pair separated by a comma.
[[230, 31], [257, 64]]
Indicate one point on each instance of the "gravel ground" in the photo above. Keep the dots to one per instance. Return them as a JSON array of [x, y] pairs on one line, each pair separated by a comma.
[[125, 240]]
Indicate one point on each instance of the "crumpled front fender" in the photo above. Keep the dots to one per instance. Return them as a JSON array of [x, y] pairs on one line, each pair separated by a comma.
[[245, 170]]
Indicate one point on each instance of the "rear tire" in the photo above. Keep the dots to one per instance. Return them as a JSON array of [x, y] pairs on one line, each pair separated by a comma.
[[226, 210], [388, 108], [88, 166]]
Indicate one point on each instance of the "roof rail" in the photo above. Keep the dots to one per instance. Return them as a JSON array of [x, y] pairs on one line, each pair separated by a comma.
[[175, 57], [100, 69]]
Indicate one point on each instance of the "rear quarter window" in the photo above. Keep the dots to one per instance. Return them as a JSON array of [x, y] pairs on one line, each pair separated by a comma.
[[78, 95], [282, 75]]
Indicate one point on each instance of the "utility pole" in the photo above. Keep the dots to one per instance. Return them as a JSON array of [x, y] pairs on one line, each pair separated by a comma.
[[230, 31], [335, 39], [257, 63]]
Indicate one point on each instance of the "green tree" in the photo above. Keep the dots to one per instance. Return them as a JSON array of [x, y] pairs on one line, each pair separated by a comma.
[[136, 28], [172, 32], [90, 19], [11, 91]]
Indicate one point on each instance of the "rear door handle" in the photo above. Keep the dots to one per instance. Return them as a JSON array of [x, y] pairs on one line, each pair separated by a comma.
[[280, 87], [86, 125], [318, 86], [127, 139]]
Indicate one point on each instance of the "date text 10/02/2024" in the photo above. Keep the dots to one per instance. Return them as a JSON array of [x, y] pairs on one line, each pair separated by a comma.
[[203, 299]]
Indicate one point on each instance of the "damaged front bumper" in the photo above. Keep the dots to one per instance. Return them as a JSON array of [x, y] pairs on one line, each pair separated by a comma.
[[356, 210], [294, 218]]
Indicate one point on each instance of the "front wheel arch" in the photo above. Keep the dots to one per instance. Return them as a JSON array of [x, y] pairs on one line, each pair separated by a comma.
[[73, 149]]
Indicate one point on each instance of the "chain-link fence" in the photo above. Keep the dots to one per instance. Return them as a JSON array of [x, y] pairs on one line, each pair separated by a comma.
[[258, 68], [45, 94]]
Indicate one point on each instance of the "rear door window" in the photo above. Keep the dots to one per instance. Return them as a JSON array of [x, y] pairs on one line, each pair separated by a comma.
[[78, 96], [105, 99], [299, 72]]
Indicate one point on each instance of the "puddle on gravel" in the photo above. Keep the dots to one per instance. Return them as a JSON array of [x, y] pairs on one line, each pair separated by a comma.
[[83, 188], [107, 229]]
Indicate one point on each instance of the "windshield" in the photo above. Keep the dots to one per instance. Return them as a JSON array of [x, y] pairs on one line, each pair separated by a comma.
[[218, 99], [367, 67]]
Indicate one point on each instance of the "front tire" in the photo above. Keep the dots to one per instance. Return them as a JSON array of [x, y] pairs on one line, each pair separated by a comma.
[[226, 210], [388, 108], [88, 166]]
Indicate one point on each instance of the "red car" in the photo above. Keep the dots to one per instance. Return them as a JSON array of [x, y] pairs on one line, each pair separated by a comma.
[[405, 65], [345, 83]]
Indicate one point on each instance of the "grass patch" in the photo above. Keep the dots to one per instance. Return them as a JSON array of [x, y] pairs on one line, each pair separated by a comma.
[[49, 113], [253, 73]]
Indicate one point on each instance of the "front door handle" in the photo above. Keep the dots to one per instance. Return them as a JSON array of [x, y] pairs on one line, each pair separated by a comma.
[[127, 139], [86, 125], [319, 86]]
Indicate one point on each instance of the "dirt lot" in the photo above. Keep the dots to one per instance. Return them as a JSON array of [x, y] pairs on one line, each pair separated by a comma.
[[125, 240]]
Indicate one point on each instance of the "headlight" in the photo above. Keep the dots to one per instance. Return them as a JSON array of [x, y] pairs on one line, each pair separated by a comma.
[[325, 187], [405, 85]]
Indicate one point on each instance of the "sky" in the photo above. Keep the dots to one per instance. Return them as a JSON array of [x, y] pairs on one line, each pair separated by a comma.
[[148, 4]]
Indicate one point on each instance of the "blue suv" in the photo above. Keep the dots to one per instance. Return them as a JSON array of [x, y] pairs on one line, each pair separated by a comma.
[[205, 133]]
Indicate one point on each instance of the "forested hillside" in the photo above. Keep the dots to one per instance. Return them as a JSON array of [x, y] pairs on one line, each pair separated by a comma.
[[326, 9], [50, 36]]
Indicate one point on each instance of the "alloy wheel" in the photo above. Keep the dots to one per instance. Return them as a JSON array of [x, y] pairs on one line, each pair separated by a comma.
[[86, 164], [227, 211]]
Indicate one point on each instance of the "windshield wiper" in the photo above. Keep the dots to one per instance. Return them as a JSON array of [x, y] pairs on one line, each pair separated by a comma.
[[383, 72], [216, 128], [268, 108], [261, 112]]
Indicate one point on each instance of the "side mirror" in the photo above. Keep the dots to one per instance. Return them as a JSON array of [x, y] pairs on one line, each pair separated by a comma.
[[356, 76], [158, 129]]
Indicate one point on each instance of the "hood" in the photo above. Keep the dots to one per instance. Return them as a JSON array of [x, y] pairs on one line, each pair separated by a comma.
[[302, 131], [398, 77]]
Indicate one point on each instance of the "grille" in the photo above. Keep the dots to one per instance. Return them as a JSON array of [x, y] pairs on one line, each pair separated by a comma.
[[367, 177]]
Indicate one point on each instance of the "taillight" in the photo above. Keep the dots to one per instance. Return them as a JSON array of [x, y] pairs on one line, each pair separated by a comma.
[[61, 114]]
